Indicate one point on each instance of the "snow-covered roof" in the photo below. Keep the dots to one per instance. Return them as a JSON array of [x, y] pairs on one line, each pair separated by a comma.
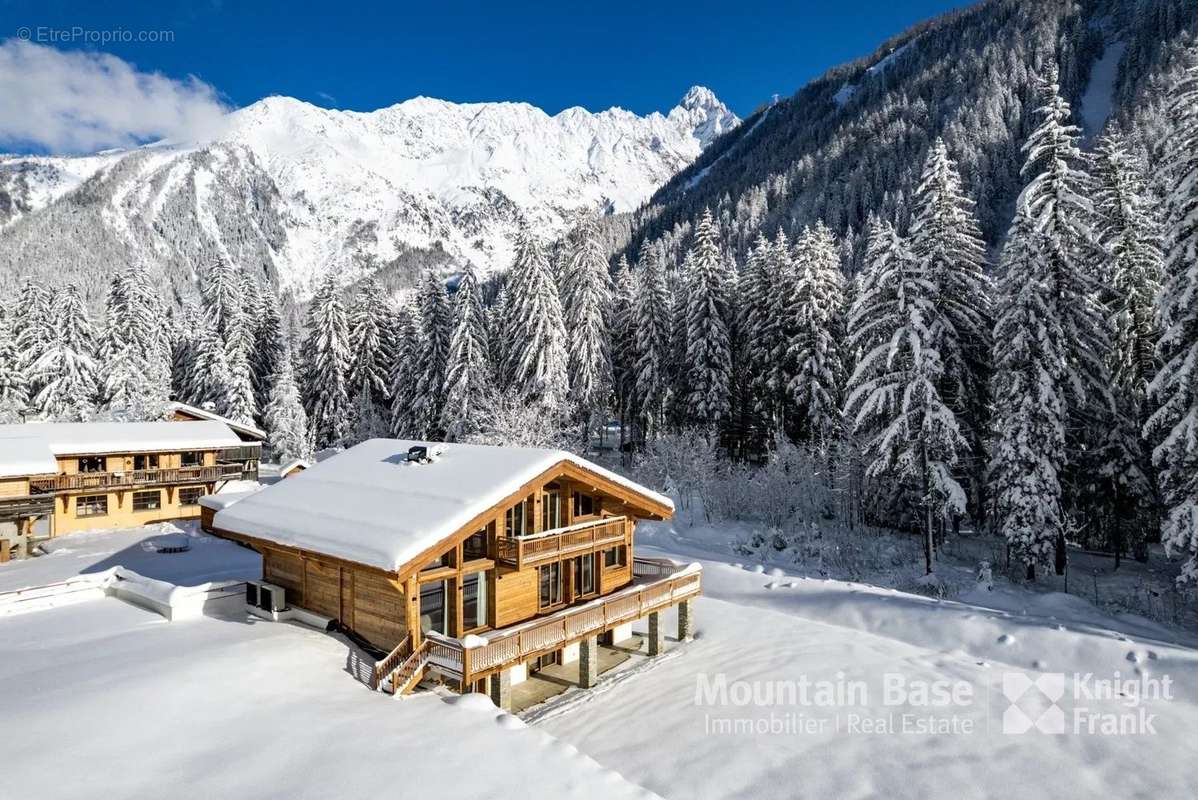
[[87, 438], [372, 506], [26, 455], [216, 502], [203, 413], [294, 464]]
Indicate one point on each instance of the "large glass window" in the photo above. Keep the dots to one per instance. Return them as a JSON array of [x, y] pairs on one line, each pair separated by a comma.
[[551, 508], [475, 546], [190, 495], [432, 607], [191, 458], [551, 585], [585, 505], [91, 505], [91, 464], [518, 520], [584, 575], [147, 501], [474, 600], [614, 556], [146, 461]]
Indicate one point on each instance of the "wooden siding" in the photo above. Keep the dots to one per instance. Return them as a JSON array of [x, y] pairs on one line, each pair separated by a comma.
[[517, 594]]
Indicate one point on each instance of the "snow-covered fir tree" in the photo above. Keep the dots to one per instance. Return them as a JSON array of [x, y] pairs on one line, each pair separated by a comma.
[[285, 418], [651, 308], [221, 289], [947, 241], [33, 325], [240, 404], [1174, 390], [622, 324], [14, 389], [777, 330], [586, 296], [326, 365], [210, 383], [708, 350], [912, 439], [537, 359], [405, 372], [468, 386], [1029, 402], [371, 346], [818, 373], [267, 349], [66, 369], [757, 327], [436, 314]]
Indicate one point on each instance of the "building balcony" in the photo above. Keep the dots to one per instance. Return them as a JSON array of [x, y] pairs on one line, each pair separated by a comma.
[[141, 477], [539, 548]]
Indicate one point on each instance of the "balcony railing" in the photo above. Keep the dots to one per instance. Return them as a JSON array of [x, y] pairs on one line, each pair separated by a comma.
[[525, 641], [585, 537], [137, 477]]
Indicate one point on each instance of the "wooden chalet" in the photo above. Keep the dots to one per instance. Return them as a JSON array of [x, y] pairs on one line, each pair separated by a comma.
[[476, 562], [90, 475]]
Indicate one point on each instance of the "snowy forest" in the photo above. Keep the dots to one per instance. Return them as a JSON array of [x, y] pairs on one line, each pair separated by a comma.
[[919, 379]]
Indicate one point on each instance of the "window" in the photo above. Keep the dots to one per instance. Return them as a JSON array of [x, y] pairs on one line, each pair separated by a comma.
[[475, 546], [146, 461], [432, 607], [474, 601], [518, 520], [147, 501], [585, 505], [191, 458], [91, 505], [437, 563], [551, 585], [190, 496], [91, 464], [584, 575], [551, 508], [614, 556]]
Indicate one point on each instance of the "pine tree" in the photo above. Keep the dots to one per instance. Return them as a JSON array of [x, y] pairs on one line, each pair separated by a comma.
[[947, 241], [327, 357], [818, 374], [586, 297], [405, 374], [437, 316], [1029, 402], [537, 360], [286, 421], [33, 325], [778, 330], [708, 348], [267, 350], [912, 437], [651, 308], [468, 391], [757, 330], [14, 390], [371, 345], [1174, 390], [622, 324], [66, 370], [210, 384], [239, 403], [221, 289]]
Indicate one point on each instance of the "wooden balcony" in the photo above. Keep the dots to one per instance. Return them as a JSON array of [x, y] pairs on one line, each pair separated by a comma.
[[137, 477], [23, 506], [504, 648], [585, 537]]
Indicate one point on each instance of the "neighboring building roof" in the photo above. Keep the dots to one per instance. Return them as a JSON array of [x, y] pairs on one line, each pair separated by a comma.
[[89, 438], [293, 464], [26, 455], [370, 505], [203, 413]]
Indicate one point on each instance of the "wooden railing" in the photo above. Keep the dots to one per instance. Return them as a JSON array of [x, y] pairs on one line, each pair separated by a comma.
[[245, 452], [573, 624], [653, 567], [522, 551], [388, 663], [137, 477]]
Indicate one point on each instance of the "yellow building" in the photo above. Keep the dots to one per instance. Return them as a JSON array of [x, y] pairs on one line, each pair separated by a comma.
[[92, 475]]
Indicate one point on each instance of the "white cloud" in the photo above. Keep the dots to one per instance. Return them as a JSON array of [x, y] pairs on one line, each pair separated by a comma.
[[80, 102]]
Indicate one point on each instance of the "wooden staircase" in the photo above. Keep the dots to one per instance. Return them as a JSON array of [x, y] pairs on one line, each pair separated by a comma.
[[402, 668]]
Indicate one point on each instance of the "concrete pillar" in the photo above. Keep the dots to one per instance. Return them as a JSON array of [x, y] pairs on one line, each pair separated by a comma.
[[656, 639], [686, 620], [500, 684], [588, 662]]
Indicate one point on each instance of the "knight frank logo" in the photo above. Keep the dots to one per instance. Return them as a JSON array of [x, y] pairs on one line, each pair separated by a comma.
[[1033, 703]]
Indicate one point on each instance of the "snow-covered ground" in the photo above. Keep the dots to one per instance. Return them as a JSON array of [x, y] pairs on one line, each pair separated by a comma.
[[236, 707]]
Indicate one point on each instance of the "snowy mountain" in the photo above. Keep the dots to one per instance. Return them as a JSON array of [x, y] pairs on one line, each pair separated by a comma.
[[296, 190]]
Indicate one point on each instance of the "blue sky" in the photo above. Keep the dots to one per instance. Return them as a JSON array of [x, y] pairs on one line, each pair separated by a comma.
[[641, 56]]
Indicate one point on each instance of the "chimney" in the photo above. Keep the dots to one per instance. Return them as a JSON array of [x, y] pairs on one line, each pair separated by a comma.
[[418, 454]]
